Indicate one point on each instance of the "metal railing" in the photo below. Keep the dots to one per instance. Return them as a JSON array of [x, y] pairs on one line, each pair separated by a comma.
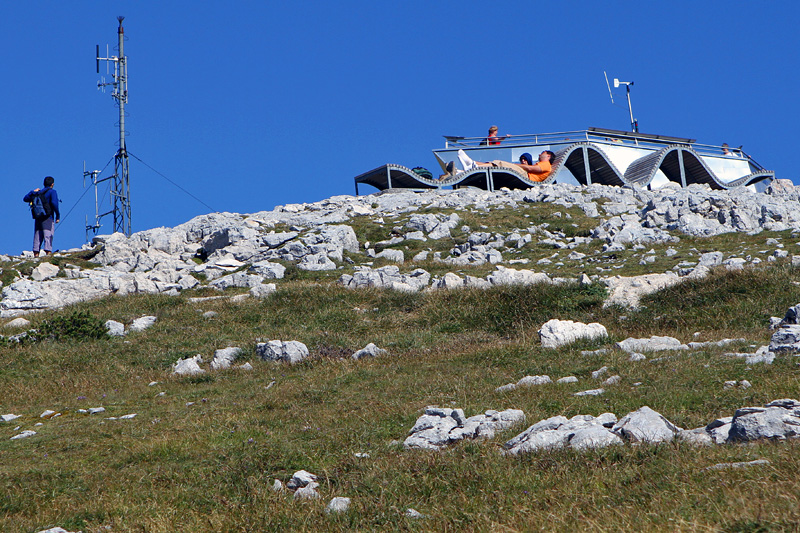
[[598, 136]]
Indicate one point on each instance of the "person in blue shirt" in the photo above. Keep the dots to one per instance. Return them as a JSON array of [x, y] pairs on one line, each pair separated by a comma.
[[43, 229]]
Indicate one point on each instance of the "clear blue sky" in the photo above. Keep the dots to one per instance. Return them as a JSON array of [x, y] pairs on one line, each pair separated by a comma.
[[252, 104]]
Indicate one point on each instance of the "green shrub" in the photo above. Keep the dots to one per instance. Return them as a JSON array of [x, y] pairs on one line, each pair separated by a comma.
[[77, 325]]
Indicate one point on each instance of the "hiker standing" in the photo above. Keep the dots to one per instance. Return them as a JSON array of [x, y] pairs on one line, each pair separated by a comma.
[[44, 210]]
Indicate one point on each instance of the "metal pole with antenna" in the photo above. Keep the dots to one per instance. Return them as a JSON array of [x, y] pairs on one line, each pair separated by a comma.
[[120, 189], [628, 84]]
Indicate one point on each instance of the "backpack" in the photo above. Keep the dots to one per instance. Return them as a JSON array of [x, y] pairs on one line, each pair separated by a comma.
[[424, 172], [40, 207]]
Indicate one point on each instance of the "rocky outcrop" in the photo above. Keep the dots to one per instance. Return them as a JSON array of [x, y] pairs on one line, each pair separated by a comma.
[[441, 426], [778, 420], [242, 251]]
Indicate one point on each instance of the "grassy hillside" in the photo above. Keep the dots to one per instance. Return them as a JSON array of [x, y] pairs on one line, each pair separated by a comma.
[[202, 452]]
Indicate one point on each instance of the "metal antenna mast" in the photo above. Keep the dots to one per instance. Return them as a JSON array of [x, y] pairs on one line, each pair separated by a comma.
[[628, 84], [120, 189]]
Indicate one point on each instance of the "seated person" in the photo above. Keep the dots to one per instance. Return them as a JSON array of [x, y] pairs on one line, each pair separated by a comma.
[[535, 172], [493, 138], [727, 152]]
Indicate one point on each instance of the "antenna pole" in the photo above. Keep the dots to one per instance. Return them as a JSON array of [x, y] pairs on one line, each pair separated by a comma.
[[634, 122], [604, 74], [120, 186], [122, 205]]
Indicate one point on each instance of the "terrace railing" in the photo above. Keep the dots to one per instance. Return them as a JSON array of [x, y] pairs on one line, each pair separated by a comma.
[[597, 136]]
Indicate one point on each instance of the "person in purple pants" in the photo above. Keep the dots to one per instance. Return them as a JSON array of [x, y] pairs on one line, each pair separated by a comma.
[[43, 227]]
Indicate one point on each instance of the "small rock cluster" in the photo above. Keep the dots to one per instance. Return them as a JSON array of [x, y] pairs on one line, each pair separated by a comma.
[[50, 414], [117, 329], [440, 427], [304, 485], [221, 360], [290, 352]]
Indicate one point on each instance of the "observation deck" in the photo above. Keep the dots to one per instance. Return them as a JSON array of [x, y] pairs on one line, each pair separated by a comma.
[[585, 157]]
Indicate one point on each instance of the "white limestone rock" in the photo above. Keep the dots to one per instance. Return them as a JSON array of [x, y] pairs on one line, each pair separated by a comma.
[[142, 323], [189, 366], [370, 350], [510, 276], [786, 340], [628, 291], [114, 328], [308, 492], [777, 420], [647, 426], [225, 357], [274, 240], [761, 355], [734, 263], [413, 514], [441, 231], [290, 351], [268, 270], [719, 343], [476, 283], [593, 437], [555, 333], [17, 323], [316, 262], [440, 426], [581, 432], [301, 478], [391, 254], [237, 279], [741, 464], [26, 295], [263, 290], [340, 236], [591, 392], [653, 344], [529, 381], [388, 277], [448, 281], [710, 259], [44, 271], [719, 430], [696, 437], [338, 504]]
